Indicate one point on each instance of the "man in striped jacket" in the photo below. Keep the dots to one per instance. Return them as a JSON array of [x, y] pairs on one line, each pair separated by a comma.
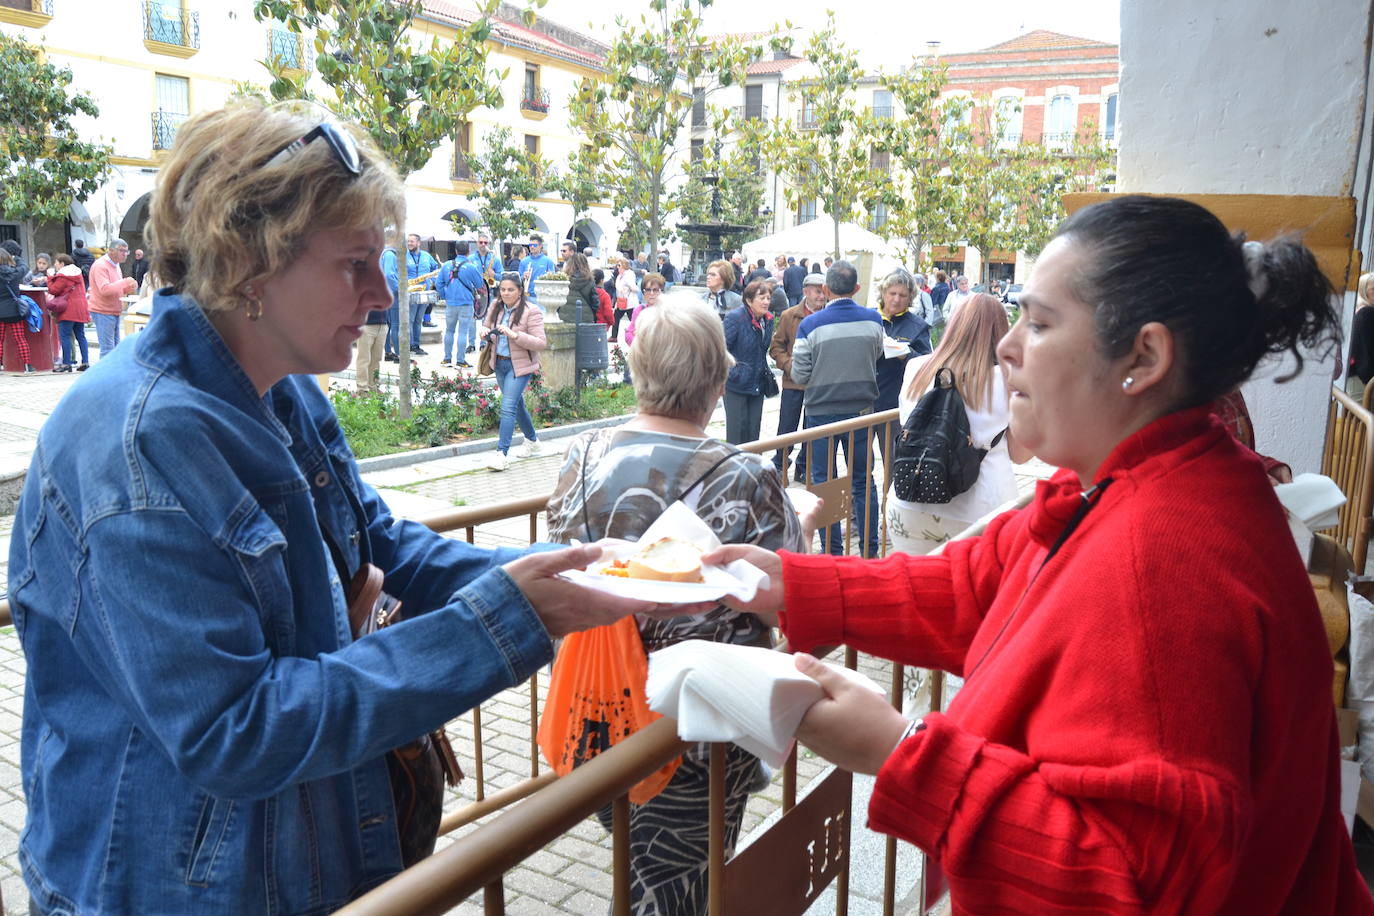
[[836, 357]]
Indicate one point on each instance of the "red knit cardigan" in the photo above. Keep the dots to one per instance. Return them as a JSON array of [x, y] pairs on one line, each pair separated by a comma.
[[1147, 722]]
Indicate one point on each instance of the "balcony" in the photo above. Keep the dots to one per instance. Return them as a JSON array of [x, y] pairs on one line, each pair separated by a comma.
[[884, 112], [287, 49], [170, 30], [534, 103], [1057, 140], [749, 112], [32, 13], [165, 127]]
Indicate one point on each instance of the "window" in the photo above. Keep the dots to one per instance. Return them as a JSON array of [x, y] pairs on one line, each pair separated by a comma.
[[32, 13], [1007, 113], [532, 144], [882, 104], [806, 211], [173, 107], [171, 28], [806, 120], [1059, 124], [462, 148], [1109, 123], [753, 102], [880, 161], [698, 150], [532, 97], [878, 218]]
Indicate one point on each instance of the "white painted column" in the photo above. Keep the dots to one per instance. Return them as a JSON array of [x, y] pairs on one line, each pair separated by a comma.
[[1262, 97]]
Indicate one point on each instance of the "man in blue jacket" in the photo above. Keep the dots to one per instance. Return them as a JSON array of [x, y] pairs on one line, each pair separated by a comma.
[[391, 271], [418, 263], [792, 279], [459, 280], [489, 265], [535, 265], [836, 357]]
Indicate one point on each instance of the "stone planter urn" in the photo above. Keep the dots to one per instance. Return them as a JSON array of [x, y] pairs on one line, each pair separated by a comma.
[[551, 295]]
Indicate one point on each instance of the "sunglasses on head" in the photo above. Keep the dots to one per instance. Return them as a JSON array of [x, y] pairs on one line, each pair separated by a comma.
[[510, 275], [340, 141]]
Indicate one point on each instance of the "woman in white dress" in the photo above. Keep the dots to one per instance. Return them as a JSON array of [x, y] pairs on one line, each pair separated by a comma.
[[969, 349]]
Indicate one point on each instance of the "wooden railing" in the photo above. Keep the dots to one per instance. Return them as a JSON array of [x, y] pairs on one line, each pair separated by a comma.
[[542, 807], [1348, 459]]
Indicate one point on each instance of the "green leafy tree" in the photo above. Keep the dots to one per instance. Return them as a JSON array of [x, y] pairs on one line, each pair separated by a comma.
[[582, 183], [1086, 164], [45, 163], [637, 113], [506, 178], [825, 154], [406, 97], [924, 165]]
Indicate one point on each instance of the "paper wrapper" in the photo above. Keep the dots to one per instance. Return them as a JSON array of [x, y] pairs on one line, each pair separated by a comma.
[[895, 349], [753, 697], [739, 579]]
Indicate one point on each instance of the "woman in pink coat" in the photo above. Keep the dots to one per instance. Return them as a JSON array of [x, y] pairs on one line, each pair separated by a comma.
[[516, 329], [67, 285]]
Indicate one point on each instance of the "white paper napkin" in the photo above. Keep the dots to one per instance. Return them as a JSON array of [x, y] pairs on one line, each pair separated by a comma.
[[740, 578], [1312, 499], [895, 349], [753, 697]]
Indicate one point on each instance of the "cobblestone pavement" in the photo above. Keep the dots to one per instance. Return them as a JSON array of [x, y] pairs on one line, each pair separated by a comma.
[[569, 876]]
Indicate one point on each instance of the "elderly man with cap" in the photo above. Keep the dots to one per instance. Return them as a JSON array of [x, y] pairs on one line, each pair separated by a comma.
[[784, 336]]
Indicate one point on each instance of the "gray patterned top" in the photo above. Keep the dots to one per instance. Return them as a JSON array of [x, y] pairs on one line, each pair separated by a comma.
[[633, 475]]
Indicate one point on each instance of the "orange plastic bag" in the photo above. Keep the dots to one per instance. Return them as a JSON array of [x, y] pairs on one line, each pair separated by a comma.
[[597, 699]]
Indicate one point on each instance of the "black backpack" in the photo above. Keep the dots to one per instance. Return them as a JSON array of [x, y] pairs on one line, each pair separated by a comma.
[[935, 458]]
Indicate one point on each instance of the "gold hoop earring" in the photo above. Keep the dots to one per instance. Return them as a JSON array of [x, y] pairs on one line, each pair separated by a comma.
[[252, 307]]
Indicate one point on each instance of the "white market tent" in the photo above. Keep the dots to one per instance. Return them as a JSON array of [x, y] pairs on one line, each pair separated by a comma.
[[873, 255]]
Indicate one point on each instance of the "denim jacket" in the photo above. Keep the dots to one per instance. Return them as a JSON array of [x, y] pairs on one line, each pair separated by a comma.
[[201, 733]]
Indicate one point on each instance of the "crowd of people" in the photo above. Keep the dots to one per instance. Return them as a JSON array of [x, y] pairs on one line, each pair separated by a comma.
[[1145, 723]]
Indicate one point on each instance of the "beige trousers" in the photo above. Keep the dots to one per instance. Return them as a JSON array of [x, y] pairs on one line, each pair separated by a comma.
[[369, 362]]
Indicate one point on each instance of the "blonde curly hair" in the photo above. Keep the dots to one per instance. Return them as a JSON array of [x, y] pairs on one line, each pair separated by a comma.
[[221, 218]]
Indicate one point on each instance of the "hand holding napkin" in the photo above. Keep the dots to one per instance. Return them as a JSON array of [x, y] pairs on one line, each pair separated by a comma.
[[753, 697]]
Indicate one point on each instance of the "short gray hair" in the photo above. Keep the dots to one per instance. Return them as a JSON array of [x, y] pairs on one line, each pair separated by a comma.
[[119, 243], [842, 279], [899, 277], [679, 360]]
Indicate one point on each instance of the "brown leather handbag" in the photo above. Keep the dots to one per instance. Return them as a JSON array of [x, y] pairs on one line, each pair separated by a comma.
[[419, 768]]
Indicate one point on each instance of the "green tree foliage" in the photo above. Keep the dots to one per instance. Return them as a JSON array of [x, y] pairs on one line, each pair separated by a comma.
[[582, 183], [45, 163], [636, 114], [737, 170], [506, 178], [825, 154], [925, 167], [406, 97], [1086, 164]]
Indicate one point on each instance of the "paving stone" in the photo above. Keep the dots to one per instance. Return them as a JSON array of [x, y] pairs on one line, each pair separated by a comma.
[[597, 855], [586, 903], [530, 906], [580, 874], [541, 887]]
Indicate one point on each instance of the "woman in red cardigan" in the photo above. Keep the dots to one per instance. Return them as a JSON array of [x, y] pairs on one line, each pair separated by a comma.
[[1146, 722]]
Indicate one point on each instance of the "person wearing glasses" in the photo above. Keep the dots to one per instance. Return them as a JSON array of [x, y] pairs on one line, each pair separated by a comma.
[[652, 289], [535, 265], [201, 732], [515, 327]]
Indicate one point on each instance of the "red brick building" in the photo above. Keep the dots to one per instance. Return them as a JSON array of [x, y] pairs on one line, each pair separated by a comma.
[[1049, 87]]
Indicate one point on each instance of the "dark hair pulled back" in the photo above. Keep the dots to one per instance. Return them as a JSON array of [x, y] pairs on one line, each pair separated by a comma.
[[1169, 260]]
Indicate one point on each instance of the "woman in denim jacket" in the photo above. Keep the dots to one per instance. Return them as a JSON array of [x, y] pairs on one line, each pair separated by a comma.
[[201, 732]]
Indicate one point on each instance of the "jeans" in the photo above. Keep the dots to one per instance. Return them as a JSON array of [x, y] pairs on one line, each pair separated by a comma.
[[512, 404], [459, 316], [393, 328], [106, 332], [789, 418], [68, 331], [417, 315], [864, 494]]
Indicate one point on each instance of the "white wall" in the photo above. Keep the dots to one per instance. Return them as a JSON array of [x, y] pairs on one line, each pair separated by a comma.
[[1263, 97]]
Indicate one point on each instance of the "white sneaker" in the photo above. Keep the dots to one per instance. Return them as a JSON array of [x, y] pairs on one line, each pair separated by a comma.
[[497, 462], [531, 449]]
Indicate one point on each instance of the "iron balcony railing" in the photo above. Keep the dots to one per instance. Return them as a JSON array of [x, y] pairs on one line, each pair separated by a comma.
[[884, 112], [750, 112], [286, 48], [165, 127], [170, 24], [535, 100], [1057, 140], [806, 120]]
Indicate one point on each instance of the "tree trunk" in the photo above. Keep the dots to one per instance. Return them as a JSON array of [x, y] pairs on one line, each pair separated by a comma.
[[403, 330], [655, 217], [836, 220]]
